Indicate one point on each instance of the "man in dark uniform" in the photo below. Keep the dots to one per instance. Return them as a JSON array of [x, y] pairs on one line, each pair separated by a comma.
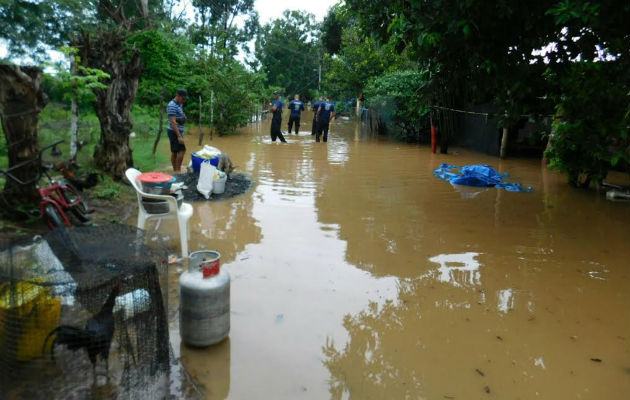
[[276, 120], [325, 114], [296, 107], [315, 109]]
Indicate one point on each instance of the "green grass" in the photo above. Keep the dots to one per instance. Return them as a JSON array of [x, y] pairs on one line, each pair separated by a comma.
[[107, 189], [55, 124]]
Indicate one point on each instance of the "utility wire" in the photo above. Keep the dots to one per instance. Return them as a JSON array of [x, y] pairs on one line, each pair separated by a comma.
[[484, 114]]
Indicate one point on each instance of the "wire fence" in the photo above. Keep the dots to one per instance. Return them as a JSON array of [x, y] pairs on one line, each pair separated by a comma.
[[83, 306]]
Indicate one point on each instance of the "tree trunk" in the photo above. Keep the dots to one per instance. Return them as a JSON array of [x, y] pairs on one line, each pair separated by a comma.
[[21, 100], [74, 117], [74, 129], [108, 51]]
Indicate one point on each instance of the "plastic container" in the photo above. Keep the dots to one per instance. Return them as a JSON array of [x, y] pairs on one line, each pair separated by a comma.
[[157, 206], [156, 182], [218, 185], [33, 310], [196, 161], [204, 307]]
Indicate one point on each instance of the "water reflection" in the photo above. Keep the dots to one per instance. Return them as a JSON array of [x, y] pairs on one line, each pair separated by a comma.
[[458, 269], [224, 225], [505, 300], [212, 365], [337, 152], [352, 254], [468, 192]]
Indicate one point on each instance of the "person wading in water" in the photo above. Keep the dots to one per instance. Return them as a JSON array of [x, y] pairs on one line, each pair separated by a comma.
[[325, 114], [314, 129], [276, 120], [296, 107]]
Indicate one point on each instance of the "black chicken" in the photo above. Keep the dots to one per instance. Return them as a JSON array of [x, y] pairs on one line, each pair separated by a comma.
[[96, 338], [89, 181]]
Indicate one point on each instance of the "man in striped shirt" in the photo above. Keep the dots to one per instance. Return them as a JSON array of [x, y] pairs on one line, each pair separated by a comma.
[[175, 129]]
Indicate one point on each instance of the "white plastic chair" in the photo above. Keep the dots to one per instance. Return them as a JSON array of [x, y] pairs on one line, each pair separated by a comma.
[[181, 214]]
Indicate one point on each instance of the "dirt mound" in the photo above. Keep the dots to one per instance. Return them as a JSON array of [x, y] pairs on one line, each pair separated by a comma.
[[237, 183]]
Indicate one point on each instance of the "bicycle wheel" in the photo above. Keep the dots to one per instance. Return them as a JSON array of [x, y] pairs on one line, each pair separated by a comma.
[[53, 218], [72, 194]]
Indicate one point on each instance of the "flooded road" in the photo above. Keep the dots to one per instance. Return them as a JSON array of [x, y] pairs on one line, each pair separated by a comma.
[[356, 274]]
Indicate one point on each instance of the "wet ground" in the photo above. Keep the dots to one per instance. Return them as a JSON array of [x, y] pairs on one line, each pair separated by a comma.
[[236, 184], [358, 274]]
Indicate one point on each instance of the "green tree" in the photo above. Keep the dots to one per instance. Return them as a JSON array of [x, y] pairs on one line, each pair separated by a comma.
[[217, 27], [590, 130], [358, 59], [99, 28], [480, 52], [77, 85], [237, 92], [399, 97], [332, 29], [288, 52], [165, 56]]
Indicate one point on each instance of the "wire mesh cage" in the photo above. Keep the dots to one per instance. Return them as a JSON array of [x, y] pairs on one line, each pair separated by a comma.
[[83, 313]]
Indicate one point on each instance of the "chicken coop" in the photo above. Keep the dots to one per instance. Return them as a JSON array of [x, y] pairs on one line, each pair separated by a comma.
[[83, 314]]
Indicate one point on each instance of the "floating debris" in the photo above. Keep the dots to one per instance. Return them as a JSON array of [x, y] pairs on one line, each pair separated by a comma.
[[480, 372], [596, 359]]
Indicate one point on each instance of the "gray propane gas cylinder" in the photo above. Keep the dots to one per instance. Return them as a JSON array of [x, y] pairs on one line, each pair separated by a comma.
[[204, 307]]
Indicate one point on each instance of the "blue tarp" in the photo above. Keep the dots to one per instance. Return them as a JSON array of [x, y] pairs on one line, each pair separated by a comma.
[[477, 175]]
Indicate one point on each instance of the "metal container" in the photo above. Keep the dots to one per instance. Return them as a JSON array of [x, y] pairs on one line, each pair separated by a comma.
[[156, 182], [156, 206], [157, 188], [204, 307]]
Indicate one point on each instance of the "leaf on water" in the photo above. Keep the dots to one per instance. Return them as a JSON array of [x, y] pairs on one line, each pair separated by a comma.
[[596, 359], [480, 372], [499, 337], [487, 389]]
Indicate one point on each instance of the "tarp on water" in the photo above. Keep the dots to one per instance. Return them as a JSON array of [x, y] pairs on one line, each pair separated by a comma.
[[477, 175]]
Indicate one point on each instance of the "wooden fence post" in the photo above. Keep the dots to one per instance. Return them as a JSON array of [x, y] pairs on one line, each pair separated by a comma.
[[200, 131], [504, 141], [161, 124], [211, 112]]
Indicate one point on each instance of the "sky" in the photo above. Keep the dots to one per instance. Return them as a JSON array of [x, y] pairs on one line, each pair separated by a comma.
[[267, 10], [271, 9]]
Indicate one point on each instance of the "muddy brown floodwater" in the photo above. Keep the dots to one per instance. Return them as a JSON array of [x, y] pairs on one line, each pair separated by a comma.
[[356, 274]]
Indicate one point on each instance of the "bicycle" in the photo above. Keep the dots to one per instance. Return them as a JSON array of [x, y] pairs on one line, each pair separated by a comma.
[[57, 198]]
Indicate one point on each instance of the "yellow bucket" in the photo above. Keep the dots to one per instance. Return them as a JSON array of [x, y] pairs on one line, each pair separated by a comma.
[[28, 313]]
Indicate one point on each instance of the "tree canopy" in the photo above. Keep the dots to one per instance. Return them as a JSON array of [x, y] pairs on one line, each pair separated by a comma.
[[289, 53]]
